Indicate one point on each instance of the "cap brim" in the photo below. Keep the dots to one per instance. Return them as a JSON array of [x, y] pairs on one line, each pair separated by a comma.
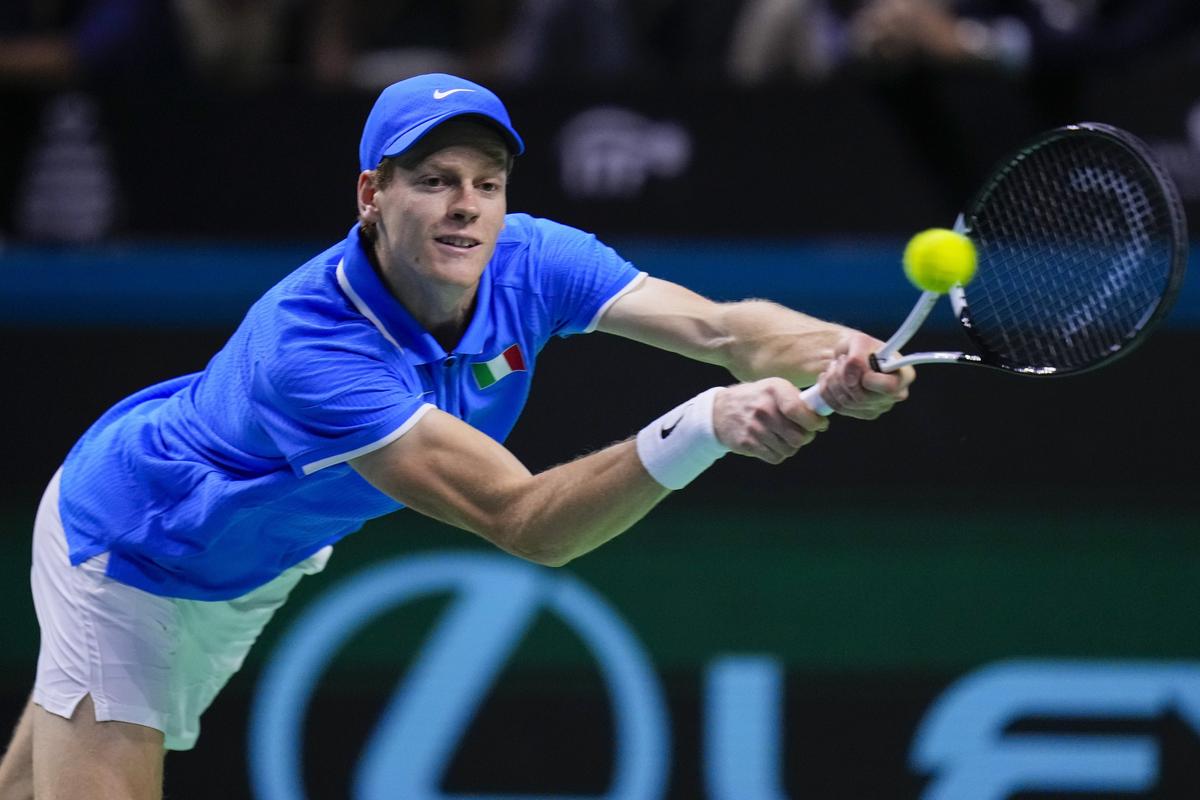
[[410, 137]]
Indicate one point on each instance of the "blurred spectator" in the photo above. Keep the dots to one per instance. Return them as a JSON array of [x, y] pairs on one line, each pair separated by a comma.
[[569, 39], [61, 42], [910, 31], [369, 44], [948, 70], [1050, 35], [634, 42], [810, 39], [788, 38], [682, 40], [235, 42]]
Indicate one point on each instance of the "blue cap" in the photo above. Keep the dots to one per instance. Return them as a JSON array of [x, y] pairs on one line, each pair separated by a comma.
[[408, 110]]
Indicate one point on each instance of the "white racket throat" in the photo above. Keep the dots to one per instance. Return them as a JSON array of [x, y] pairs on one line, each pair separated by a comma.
[[887, 361]]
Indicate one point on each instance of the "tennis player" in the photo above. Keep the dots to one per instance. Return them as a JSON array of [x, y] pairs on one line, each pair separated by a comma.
[[383, 373]]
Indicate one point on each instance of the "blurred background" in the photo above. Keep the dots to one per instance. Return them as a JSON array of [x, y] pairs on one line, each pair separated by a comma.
[[990, 593]]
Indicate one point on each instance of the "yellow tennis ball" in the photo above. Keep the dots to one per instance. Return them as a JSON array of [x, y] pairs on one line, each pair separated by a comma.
[[937, 259]]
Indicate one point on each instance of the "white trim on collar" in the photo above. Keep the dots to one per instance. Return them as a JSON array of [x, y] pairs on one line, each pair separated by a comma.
[[362, 307]]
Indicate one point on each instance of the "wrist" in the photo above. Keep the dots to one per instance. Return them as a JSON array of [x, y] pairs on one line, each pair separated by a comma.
[[681, 444]]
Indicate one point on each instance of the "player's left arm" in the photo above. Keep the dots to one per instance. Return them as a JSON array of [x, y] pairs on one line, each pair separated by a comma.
[[756, 339]]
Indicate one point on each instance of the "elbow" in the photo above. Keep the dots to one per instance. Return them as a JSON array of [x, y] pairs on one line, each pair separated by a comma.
[[532, 546], [550, 559], [547, 555]]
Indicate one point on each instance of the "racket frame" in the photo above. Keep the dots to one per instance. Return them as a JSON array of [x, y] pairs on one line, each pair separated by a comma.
[[1179, 239], [886, 360]]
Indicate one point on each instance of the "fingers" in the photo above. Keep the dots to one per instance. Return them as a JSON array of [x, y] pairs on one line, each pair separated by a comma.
[[853, 388], [841, 384], [800, 424], [765, 419], [891, 383]]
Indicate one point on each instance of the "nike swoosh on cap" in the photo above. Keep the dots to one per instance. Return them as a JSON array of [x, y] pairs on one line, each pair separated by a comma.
[[440, 94]]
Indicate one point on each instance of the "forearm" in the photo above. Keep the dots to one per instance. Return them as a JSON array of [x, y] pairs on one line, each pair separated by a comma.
[[753, 339], [757, 339], [451, 472], [760, 339], [571, 509], [599, 496], [447, 470]]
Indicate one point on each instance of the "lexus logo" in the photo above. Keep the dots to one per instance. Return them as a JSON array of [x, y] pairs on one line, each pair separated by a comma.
[[495, 599], [967, 745]]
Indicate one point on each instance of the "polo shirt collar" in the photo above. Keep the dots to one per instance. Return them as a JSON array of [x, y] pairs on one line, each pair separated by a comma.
[[371, 296]]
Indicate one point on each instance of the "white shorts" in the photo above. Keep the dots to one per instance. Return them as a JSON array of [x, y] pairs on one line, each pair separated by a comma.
[[154, 661]]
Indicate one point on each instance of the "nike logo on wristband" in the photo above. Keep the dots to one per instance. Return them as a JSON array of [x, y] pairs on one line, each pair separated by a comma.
[[665, 432]]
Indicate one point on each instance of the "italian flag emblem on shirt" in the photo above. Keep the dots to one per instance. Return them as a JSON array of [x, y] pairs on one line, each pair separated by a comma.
[[508, 362]]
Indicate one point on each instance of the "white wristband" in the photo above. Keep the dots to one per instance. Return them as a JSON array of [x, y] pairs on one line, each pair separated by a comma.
[[682, 443]]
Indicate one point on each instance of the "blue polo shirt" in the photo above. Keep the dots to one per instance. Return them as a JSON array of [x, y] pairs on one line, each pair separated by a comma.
[[211, 484]]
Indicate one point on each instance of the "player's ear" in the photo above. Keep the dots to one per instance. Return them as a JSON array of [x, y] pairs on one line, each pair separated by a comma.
[[367, 189]]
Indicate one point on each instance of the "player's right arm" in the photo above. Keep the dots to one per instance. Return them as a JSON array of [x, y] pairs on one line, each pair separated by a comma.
[[452, 472], [754, 339]]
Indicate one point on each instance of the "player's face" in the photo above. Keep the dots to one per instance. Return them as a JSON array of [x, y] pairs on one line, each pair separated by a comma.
[[438, 222]]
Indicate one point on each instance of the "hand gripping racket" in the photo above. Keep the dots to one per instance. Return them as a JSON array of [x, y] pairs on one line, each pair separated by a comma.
[[1082, 245]]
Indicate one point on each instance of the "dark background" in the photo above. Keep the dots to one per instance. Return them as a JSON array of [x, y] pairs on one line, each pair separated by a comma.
[[990, 518]]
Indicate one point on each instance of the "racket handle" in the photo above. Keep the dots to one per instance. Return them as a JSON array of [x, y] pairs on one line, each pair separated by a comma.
[[812, 396]]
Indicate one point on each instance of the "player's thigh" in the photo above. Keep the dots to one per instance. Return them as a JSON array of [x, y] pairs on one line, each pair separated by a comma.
[[80, 757], [16, 763]]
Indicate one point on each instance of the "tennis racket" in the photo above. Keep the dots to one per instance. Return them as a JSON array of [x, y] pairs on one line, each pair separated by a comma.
[[1082, 245]]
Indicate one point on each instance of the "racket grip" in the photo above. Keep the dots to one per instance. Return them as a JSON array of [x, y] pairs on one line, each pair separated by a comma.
[[812, 396]]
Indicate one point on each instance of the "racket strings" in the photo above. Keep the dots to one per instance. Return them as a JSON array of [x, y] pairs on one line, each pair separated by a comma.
[[1075, 245]]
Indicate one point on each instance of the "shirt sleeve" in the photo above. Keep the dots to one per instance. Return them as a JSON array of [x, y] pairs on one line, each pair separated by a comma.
[[581, 278], [325, 405]]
